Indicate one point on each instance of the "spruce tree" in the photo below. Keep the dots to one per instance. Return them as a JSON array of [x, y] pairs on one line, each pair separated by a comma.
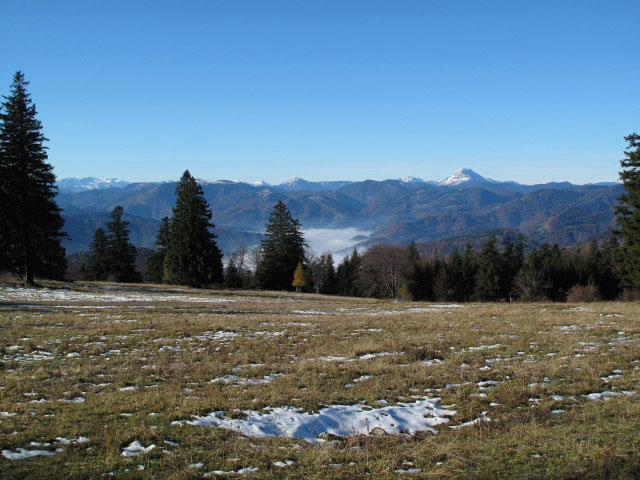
[[193, 257], [488, 276], [281, 250], [98, 266], [628, 214], [122, 254], [468, 277], [30, 222], [348, 275], [327, 274], [155, 264]]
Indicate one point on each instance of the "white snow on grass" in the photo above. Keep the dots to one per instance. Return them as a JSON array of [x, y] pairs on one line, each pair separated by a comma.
[[432, 362], [607, 394], [247, 381], [341, 420], [21, 453], [358, 380], [45, 294], [136, 448], [78, 440], [482, 418], [242, 471], [369, 356], [332, 358], [485, 347], [73, 400]]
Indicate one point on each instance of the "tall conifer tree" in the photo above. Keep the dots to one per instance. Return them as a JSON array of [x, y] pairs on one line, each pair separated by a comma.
[[155, 263], [98, 266], [30, 222], [193, 257], [487, 287], [282, 250], [122, 254], [628, 212]]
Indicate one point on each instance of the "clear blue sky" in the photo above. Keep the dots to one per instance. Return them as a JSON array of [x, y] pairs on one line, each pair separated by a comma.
[[529, 91]]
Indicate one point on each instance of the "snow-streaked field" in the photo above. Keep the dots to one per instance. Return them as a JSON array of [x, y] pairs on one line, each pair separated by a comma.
[[105, 380]]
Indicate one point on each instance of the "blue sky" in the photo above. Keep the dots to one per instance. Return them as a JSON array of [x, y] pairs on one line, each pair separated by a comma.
[[324, 90]]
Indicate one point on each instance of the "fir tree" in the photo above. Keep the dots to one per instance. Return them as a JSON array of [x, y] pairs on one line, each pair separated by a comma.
[[30, 231], [281, 250], [468, 276], [192, 257], [348, 275], [122, 254], [327, 275], [628, 214], [155, 263], [489, 272], [98, 266], [512, 257]]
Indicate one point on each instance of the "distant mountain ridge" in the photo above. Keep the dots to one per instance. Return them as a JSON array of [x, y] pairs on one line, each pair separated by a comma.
[[391, 211], [462, 176], [74, 185]]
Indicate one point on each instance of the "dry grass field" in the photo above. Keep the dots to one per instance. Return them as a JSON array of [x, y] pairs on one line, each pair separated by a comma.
[[100, 381]]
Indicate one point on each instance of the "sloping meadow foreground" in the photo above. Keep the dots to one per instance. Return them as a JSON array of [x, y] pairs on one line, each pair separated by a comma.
[[137, 382]]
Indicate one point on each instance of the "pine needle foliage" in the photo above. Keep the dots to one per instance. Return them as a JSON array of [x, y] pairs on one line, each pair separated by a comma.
[[122, 254], [282, 249], [30, 220], [628, 213], [155, 264], [192, 257], [98, 265]]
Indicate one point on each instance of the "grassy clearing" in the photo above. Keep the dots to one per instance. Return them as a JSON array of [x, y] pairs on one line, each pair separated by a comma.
[[118, 365]]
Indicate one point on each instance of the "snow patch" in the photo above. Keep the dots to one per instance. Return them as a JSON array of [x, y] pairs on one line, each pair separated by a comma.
[[341, 420]]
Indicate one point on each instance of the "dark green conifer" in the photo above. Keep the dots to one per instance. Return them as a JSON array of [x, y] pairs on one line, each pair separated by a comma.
[[628, 214], [325, 274], [348, 275], [122, 254], [487, 287], [155, 264], [192, 257], [282, 249], [30, 221], [468, 276], [98, 266]]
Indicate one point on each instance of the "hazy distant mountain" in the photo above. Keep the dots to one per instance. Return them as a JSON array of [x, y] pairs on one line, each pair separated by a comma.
[[74, 185], [409, 209], [298, 184]]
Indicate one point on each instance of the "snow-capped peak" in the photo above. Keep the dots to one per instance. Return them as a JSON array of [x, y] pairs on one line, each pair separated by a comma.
[[293, 181], [75, 185], [410, 179], [463, 175], [260, 183]]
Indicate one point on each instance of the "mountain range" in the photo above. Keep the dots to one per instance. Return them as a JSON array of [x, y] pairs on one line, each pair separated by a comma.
[[463, 205]]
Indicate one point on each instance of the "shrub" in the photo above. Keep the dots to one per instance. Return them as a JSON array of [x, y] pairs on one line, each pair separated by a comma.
[[582, 293]]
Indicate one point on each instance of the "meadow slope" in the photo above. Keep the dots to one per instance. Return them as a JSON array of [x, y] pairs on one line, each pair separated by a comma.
[[100, 380]]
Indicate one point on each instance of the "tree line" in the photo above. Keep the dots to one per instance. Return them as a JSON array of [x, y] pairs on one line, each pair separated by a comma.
[[497, 272]]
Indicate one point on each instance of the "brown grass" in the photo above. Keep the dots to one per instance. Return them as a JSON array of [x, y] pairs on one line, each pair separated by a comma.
[[164, 351]]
